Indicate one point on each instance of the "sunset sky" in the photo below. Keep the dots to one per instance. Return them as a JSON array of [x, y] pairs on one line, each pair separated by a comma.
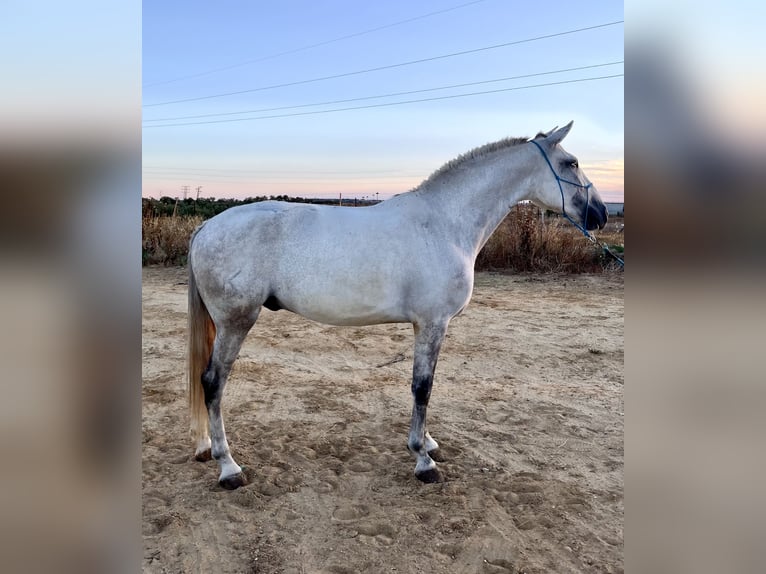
[[312, 145]]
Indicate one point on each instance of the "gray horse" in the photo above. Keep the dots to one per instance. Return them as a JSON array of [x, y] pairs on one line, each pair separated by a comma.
[[409, 259]]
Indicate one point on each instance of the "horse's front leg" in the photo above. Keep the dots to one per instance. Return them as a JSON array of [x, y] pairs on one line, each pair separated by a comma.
[[428, 341]]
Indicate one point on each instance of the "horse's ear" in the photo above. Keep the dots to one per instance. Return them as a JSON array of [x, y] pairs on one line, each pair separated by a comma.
[[543, 135], [555, 136]]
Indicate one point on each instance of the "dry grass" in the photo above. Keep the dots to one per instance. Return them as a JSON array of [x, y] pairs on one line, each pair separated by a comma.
[[522, 243], [165, 240]]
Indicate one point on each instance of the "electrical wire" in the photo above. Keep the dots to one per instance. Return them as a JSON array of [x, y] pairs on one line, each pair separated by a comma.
[[390, 95], [388, 104], [316, 45], [386, 67]]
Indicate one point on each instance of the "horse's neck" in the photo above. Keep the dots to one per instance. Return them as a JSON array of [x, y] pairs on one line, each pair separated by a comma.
[[475, 199]]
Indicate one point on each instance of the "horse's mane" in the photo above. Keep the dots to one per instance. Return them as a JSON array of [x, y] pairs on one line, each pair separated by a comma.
[[473, 154]]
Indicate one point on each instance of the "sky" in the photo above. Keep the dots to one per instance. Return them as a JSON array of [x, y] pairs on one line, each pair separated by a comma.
[[293, 66]]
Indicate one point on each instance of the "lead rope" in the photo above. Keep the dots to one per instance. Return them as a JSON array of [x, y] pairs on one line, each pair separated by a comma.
[[584, 231]]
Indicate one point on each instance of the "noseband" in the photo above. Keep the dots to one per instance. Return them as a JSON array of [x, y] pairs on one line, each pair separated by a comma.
[[559, 180]]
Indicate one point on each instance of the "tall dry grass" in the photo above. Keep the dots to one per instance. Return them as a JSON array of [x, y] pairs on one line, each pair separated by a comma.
[[523, 242], [165, 239]]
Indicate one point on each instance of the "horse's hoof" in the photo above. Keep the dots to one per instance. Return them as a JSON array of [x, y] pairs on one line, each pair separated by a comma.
[[233, 482], [430, 476], [436, 455], [203, 456]]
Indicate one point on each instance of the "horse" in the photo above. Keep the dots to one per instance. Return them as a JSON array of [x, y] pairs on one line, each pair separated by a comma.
[[409, 259]]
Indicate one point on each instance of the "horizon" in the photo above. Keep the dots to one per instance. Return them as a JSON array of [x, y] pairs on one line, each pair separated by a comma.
[[323, 199]]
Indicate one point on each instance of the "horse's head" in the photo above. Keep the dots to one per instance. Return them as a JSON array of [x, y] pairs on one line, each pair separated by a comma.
[[563, 187]]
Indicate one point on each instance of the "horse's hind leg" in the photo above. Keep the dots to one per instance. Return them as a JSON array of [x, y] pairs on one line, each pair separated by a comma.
[[228, 341], [203, 452], [428, 341], [432, 447]]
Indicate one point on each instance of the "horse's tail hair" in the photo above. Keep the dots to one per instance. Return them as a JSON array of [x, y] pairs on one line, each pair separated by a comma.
[[201, 333]]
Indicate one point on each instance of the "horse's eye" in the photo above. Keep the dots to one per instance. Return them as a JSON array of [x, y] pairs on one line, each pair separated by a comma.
[[573, 164]]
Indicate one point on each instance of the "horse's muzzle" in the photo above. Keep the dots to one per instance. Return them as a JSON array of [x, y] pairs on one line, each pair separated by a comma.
[[595, 215]]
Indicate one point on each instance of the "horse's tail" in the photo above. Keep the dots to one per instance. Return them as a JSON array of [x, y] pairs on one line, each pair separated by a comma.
[[201, 333]]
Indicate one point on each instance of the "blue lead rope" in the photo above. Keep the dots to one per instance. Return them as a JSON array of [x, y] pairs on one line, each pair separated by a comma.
[[584, 231]]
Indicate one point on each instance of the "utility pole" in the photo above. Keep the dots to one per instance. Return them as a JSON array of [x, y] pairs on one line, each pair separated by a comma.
[[186, 190], [197, 199]]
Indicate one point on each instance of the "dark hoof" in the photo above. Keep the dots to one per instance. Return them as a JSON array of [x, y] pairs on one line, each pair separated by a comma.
[[233, 482], [436, 454], [430, 476], [204, 456]]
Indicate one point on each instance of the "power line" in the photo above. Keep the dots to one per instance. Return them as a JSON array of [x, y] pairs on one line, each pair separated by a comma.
[[390, 95], [318, 44], [387, 67], [387, 104]]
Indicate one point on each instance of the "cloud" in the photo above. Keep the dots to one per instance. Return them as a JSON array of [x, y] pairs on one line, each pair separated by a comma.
[[608, 176]]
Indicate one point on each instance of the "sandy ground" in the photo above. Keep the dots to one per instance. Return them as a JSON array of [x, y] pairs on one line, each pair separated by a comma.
[[527, 406]]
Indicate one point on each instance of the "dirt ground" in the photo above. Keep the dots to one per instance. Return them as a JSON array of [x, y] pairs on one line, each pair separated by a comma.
[[527, 406]]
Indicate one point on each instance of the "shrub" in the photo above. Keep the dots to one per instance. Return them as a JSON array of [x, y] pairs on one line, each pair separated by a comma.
[[523, 242], [165, 239]]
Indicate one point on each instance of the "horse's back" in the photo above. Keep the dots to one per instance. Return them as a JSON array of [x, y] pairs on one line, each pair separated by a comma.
[[280, 229]]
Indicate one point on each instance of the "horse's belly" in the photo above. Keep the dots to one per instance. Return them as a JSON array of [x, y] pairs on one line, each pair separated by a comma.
[[333, 310], [342, 282]]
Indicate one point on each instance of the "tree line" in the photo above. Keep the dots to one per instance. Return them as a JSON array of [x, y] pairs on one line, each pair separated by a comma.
[[207, 207]]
